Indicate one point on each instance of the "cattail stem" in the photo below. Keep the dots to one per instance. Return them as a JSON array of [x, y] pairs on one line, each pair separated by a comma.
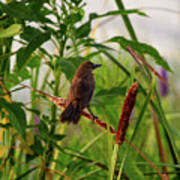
[[122, 127], [160, 145]]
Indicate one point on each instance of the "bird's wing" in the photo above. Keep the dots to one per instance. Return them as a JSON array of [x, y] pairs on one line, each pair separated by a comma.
[[83, 90]]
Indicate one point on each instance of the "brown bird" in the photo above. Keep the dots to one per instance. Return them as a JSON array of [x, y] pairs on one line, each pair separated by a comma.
[[80, 93]]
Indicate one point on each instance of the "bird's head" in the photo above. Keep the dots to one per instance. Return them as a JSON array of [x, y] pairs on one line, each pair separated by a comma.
[[89, 66]]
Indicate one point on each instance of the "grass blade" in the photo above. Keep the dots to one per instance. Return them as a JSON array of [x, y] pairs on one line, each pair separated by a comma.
[[26, 173], [126, 20]]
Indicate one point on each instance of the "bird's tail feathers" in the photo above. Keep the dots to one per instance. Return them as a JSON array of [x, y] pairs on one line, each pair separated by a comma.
[[72, 114]]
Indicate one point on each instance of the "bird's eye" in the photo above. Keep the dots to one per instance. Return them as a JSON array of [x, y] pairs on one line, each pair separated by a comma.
[[90, 66]]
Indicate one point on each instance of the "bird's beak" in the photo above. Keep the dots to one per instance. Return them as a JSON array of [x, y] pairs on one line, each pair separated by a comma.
[[96, 66]]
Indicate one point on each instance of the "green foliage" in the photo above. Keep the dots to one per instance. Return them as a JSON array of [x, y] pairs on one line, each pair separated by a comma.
[[42, 147], [13, 30], [133, 172], [24, 53], [113, 92], [16, 115], [142, 48], [69, 65], [25, 11]]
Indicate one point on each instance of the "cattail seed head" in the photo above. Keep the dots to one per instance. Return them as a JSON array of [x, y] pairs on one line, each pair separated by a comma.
[[126, 113]]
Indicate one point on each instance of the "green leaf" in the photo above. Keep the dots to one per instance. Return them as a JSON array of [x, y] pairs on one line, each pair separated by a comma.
[[76, 15], [37, 5], [141, 48], [58, 137], [118, 12], [93, 54], [16, 115], [35, 111], [133, 172], [83, 30], [37, 147], [43, 128], [70, 65], [24, 53], [34, 62], [115, 61], [24, 11], [12, 30], [77, 2], [29, 33], [98, 46], [113, 92], [23, 74], [23, 175]]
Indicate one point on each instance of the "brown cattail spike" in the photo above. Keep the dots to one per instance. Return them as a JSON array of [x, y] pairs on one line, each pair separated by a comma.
[[126, 113]]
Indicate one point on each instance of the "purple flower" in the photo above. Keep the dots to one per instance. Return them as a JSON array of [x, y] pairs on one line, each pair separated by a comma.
[[36, 122], [163, 88]]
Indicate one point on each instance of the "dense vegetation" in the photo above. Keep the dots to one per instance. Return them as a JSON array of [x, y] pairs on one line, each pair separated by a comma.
[[53, 39]]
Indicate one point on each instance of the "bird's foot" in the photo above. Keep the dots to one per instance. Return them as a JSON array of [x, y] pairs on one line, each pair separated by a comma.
[[89, 109], [94, 117]]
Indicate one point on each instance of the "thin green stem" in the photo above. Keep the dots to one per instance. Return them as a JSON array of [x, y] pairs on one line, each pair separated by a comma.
[[127, 21], [45, 80], [34, 82], [113, 161], [109, 140], [49, 148]]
